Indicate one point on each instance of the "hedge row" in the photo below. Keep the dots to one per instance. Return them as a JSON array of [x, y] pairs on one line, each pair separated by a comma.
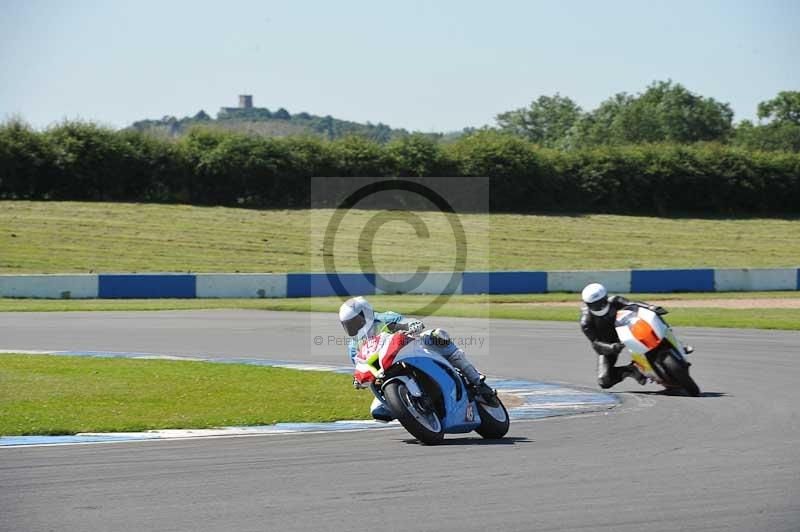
[[78, 161]]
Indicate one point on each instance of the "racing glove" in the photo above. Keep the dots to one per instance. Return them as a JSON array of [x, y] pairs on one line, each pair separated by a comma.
[[658, 310], [415, 327]]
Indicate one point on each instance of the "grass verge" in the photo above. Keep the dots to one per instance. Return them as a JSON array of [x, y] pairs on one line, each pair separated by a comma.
[[480, 306], [82, 237], [43, 394]]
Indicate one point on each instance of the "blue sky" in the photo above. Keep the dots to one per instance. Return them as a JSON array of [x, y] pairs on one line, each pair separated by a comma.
[[430, 66]]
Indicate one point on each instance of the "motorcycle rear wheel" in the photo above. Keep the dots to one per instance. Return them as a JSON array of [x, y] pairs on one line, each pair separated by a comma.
[[424, 425], [678, 371]]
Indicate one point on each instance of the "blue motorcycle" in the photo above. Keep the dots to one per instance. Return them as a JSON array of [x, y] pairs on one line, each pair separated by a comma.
[[426, 393]]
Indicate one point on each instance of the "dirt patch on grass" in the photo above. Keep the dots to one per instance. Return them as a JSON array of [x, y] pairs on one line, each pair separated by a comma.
[[732, 303], [692, 303]]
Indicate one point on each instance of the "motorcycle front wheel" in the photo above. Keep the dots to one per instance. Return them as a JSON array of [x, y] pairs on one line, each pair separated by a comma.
[[494, 419], [419, 420], [678, 371]]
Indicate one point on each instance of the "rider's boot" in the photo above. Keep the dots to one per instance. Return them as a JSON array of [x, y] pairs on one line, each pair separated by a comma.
[[688, 349], [380, 412], [476, 380], [481, 388], [633, 372]]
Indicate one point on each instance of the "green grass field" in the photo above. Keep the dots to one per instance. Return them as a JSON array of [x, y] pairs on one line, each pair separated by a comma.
[[64, 237], [523, 307], [69, 237], [41, 394]]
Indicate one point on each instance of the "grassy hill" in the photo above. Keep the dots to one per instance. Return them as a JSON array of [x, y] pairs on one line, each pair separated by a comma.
[[54, 237], [262, 121]]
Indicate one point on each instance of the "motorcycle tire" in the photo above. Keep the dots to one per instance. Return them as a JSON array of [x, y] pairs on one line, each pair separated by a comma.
[[424, 426], [494, 419], [678, 371]]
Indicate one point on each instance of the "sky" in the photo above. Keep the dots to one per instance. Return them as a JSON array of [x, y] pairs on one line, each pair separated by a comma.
[[421, 65]]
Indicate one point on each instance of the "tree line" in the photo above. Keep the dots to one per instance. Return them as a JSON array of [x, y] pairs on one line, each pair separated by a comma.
[[83, 161], [664, 112]]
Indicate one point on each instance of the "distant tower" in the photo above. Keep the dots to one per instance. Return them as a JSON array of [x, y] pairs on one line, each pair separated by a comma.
[[245, 101]]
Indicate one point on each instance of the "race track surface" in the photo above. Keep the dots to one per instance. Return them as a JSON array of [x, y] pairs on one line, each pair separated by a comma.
[[727, 461]]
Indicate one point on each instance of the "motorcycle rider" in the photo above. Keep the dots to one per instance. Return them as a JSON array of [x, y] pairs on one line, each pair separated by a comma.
[[361, 322], [598, 315]]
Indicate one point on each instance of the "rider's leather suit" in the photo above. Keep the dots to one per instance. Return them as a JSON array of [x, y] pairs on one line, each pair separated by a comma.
[[601, 332]]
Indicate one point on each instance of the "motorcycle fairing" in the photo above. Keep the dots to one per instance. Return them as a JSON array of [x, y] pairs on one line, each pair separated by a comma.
[[457, 406], [643, 331], [640, 329], [366, 370], [376, 354]]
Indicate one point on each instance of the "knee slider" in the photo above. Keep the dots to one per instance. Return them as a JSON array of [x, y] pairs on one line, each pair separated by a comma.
[[438, 338], [604, 382], [458, 353]]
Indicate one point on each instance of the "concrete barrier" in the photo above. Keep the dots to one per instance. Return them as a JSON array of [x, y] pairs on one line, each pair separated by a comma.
[[419, 283], [321, 284], [76, 286], [244, 285], [574, 281], [753, 280]]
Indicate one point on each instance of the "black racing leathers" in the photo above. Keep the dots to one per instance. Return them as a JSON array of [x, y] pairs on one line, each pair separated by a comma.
[[600, 329], [601, 332]]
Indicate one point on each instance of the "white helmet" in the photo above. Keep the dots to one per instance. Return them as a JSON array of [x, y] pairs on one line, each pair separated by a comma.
[[595, 296], [357, 316]]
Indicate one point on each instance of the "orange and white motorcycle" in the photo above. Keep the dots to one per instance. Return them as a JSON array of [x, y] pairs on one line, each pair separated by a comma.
[[654, 348]]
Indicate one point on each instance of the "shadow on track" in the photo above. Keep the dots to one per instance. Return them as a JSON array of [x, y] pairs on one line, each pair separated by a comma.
[[475, 441], [677, 393]]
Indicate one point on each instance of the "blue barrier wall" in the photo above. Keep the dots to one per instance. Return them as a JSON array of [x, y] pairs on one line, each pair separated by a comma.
[[329, 284], [672, 281], [504, 283], [145, 286]]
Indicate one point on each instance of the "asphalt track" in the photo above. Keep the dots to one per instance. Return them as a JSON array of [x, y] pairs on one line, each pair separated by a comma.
[[727, 461]]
